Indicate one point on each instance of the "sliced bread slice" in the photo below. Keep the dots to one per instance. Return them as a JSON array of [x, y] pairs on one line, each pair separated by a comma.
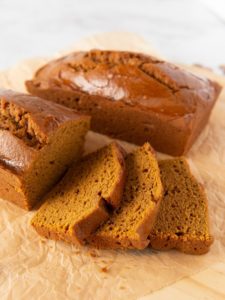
[[182, 221], [79, 203], [130, 224]]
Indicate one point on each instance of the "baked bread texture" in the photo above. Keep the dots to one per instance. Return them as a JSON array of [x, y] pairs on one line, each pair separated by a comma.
[[131, 96], [130, 224], [38, 141], [182, 221], [82, 200]]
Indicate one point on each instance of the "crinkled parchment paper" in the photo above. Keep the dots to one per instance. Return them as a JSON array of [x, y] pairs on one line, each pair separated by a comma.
[[34, 268]]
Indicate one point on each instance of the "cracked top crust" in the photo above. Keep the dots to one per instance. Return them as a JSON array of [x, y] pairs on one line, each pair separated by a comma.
[[26, 124], [31, 118], [135, 79]]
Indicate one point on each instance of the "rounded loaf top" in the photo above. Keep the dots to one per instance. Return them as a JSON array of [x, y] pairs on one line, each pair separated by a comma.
[[138, 80], [27, 124], [44, 115]]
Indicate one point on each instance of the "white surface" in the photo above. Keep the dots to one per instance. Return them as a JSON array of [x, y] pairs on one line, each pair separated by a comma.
[[184, 31]]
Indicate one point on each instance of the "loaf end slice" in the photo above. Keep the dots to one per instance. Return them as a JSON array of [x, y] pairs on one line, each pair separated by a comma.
[[130, 224], [182, 221], [82, 200], [38, 142]]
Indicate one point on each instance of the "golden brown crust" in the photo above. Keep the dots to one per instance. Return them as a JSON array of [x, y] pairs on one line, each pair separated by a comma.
[[185, 244], [14, 153], [28, 118], [10, 188], [119, 90], [41, 116], [116, 195]]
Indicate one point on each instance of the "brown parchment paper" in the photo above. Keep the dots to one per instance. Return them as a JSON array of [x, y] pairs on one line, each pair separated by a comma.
[[34, 268]]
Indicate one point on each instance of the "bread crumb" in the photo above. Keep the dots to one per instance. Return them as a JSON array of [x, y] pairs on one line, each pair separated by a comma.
[[105, 269], [93, 254]]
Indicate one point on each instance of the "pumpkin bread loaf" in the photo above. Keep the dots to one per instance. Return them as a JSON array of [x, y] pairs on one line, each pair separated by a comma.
[[130, 224], [82, 200], [131, 96], [38, 141], [182, 221]]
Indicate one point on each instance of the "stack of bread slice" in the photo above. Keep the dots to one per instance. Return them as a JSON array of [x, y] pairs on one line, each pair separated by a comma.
[[83, 199], [114, 200]]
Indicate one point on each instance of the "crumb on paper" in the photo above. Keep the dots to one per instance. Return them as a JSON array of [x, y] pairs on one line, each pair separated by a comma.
[[105, 270], [93, 254]]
